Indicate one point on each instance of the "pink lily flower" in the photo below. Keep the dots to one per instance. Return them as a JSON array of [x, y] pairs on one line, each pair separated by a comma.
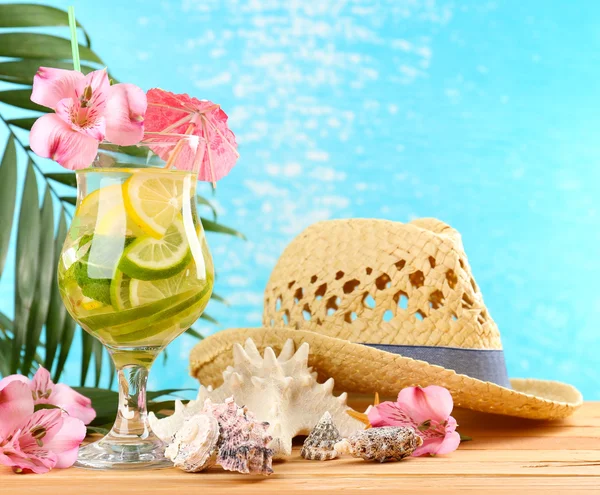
[[35, 442], [88, 110], [44, 391], [426, 410]]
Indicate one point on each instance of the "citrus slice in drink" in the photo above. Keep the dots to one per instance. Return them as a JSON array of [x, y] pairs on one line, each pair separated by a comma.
[[119, 291], [148, 258], [148, 291], [153, 201], [103, 213]]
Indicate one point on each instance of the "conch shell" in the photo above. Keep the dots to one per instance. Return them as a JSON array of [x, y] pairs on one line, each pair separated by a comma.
[[242, 446], [388, 443]]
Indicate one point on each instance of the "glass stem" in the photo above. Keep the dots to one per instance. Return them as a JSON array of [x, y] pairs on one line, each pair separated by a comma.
[[132, 416]]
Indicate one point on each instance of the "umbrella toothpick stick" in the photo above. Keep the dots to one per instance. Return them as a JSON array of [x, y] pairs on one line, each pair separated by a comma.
[[210, 163], [175, 153], [222, 137], [180, 122]]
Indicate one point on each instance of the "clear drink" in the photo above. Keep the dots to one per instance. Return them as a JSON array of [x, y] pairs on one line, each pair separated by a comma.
[[135, 272]]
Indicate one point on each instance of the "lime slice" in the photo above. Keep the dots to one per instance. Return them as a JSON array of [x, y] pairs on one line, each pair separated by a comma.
[[150, 259], [193, 304], [153, 200], [119, 291], [136, 318], [147, 291], [96, 266]]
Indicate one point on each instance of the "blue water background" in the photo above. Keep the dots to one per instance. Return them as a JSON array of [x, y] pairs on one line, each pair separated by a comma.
[[484, 114]]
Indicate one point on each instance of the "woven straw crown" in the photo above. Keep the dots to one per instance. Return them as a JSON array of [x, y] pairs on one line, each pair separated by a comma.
[[377, 281]]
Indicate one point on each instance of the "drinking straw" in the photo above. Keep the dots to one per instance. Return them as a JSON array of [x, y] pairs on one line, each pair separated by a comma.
[[74, 44]]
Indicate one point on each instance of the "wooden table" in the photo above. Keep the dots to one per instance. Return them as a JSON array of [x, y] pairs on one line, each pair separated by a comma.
[[506, 455]]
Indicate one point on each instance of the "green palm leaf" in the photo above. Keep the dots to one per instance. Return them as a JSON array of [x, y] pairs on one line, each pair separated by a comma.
[[46, 269], [26, 124], [8, 193], [34, 45], [29, 15], [67, 334], [20, 98], [87, 345], [57, 311], [211, 226], [28, 239], [66, 178], [22, 71]]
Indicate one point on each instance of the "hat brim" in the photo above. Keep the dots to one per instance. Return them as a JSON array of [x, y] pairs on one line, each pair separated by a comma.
[[361, 369]]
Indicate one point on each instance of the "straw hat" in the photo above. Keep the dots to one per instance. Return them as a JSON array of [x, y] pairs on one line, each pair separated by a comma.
[[385, 305]]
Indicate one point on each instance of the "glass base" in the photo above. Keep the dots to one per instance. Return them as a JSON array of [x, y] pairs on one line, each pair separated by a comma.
[[113, 452]]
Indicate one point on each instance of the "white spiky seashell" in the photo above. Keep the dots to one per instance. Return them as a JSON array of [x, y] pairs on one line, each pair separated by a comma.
[[193, 447], [281, 390]]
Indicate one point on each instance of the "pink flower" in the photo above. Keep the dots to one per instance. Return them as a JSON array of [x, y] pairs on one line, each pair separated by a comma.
[[426, 410], [44, 391], [88, 109], [35, 441]]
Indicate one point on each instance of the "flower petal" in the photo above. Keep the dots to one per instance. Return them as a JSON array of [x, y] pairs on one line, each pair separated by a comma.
[[450, 443], [125, 111], [389, 414], [438, 445], [13, 378], [36, 461], [65, 444], [76, 405], [429, 403], [93, 90], [49, 420], [84, 120], [16, 403], [51, 137], [52, 85], [41, 384]]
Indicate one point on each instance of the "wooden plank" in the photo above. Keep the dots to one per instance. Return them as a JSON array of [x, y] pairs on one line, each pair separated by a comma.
[[507, 454], [214, 483]]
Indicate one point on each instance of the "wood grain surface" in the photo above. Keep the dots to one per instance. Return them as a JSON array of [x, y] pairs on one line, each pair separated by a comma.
[[506, 455]]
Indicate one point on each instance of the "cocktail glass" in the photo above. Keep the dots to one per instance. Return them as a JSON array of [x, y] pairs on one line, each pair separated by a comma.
[[135, 272]]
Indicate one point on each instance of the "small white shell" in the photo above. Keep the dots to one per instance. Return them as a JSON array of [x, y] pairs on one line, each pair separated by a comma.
[[194, 445]]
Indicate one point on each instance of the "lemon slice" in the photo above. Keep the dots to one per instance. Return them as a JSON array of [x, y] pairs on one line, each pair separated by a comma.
[[103, 212], [148, 258], [88, 208], [89, 304], [149, 291], [153, 201]]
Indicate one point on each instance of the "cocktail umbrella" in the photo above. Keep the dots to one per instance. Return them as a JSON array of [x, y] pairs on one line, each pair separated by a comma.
[[170, 114]]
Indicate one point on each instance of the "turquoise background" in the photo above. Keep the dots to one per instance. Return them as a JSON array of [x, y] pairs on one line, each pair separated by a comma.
[[481, 113]]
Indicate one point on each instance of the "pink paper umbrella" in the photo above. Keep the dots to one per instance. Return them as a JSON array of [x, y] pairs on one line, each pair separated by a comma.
[[171, 114]]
